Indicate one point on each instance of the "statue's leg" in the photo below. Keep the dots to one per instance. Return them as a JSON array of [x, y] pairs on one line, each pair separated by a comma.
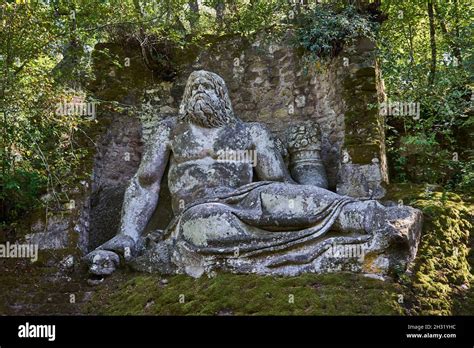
[[217, 228], [394, 228], [370, 217], [284, 207], [288, 205]]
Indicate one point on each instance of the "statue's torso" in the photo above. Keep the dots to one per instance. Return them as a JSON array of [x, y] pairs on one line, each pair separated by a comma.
[[199, 163]]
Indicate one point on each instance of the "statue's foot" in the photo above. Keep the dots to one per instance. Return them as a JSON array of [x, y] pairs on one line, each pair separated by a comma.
[[121, 244], [105, 259], [102, 262]]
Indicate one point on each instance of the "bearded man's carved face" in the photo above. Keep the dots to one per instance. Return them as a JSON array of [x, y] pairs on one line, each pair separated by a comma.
[[206, 101]]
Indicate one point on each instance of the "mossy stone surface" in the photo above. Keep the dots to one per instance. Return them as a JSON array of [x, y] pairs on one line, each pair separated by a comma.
[[442, 273], [310, 294]]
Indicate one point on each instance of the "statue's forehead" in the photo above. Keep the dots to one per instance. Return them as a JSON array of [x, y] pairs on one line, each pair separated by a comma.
[[198, 79]]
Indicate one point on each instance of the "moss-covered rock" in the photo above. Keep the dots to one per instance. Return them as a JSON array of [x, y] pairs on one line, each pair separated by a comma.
[[441, 272], [310, 294]]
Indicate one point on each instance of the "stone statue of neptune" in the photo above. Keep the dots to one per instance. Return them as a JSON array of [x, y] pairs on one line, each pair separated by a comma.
[[241, 215]]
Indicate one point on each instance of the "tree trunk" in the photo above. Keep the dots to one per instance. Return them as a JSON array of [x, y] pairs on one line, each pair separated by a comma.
[[457, 47], [220, 9], [432, 42], [453, 42], [194, 18]]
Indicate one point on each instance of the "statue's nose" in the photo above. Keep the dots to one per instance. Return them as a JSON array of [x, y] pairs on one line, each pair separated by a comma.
[[200, 88]]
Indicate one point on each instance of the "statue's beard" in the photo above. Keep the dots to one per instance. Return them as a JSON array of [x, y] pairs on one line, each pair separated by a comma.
[[206, 112]]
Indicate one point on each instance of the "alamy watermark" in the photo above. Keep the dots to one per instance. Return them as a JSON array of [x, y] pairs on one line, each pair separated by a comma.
[[347, 251], [398, 108], [16, 250], [77, 107], [241, 156], [37, 331]]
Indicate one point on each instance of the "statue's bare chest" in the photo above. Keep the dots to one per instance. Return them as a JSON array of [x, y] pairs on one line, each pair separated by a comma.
[[194, 143]]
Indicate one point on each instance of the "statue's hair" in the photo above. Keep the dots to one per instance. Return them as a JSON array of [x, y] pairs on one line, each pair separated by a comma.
[[222, 113]]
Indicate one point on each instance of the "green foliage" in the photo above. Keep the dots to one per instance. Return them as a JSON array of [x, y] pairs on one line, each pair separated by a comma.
[[22, 188], [37, 151], [258, 15], [437, 147], [324, 30]]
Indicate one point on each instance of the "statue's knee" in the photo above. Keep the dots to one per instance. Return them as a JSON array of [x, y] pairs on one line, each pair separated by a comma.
[[363, 216]]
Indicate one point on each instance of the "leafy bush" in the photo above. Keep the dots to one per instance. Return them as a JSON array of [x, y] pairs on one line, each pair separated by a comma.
[[324, 30], [19, 193]]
